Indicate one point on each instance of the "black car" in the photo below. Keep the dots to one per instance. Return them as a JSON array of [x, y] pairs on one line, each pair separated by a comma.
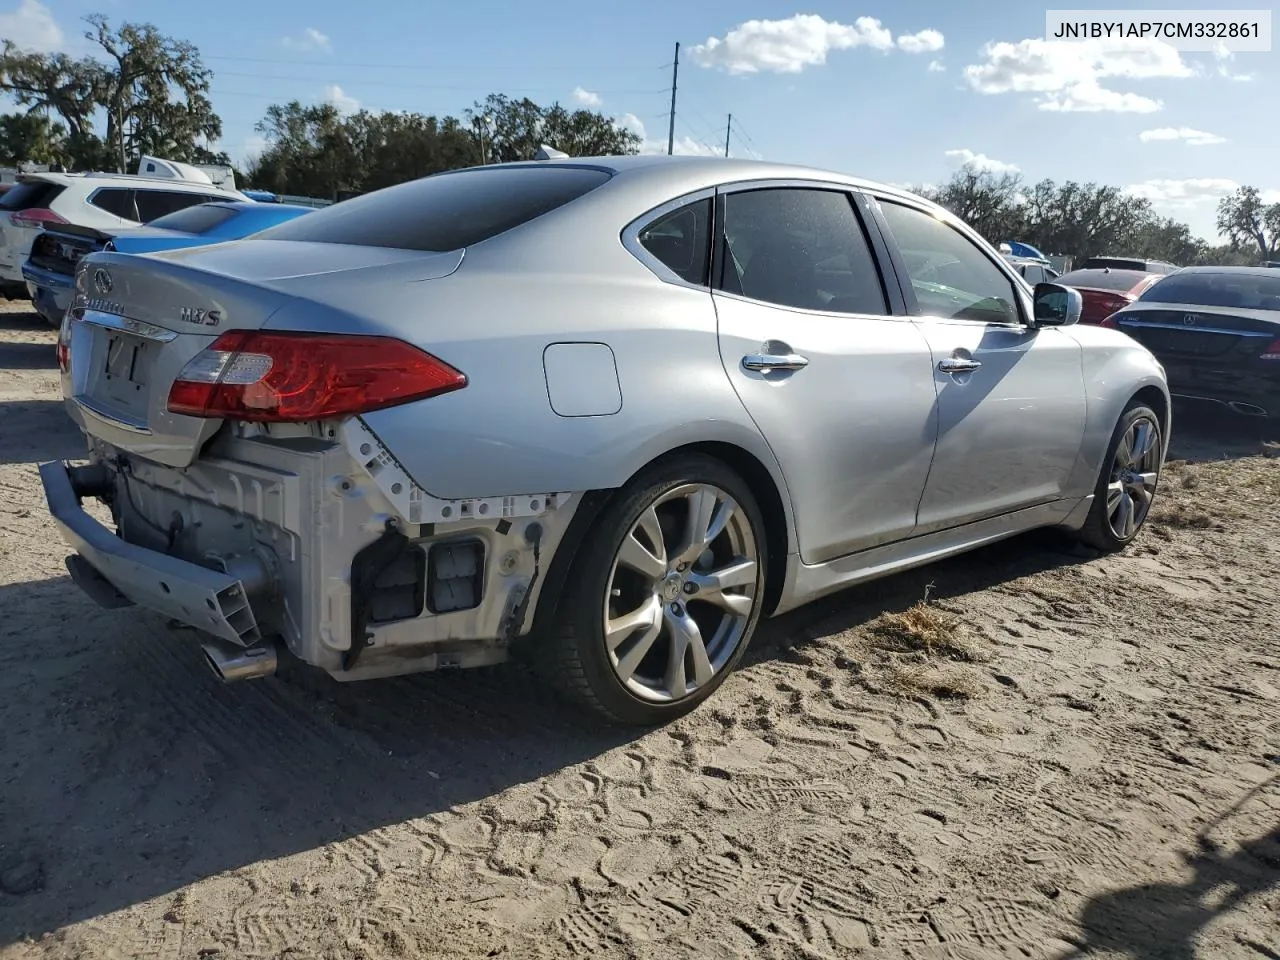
[[1216, 330]]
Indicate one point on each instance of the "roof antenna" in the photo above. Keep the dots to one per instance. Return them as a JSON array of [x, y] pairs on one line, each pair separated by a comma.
[[549, 153]]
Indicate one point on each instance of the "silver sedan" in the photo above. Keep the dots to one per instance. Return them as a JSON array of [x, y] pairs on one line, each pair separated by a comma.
[[617, 408]]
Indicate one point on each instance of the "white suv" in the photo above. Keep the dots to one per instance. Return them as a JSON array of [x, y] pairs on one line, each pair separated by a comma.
[[101, 200]]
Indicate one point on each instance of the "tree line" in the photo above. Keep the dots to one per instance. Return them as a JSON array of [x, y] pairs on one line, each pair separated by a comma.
[[145, 93]]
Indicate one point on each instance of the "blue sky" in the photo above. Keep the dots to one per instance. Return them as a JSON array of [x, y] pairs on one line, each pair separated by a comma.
[[904, 92]]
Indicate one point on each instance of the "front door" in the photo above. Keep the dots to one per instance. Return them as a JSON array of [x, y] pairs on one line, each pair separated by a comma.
[[841, 390], [1011, 398]]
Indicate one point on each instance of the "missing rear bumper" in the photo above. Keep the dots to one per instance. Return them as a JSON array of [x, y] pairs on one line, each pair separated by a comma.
[[208, 600]]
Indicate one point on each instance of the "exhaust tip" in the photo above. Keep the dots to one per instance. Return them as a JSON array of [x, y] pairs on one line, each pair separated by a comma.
[[230, 663]]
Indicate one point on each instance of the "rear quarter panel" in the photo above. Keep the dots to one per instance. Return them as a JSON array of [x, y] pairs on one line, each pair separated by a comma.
[[1116, 368]]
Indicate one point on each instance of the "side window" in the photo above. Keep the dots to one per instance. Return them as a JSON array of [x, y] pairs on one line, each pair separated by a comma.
[[952, 278], [116, 202], [798, 247], [681, 239], [159, 203]]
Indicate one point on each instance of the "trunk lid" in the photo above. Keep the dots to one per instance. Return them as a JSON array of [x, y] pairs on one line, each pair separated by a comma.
[[60, 249], [1191, 332], [136, 321]]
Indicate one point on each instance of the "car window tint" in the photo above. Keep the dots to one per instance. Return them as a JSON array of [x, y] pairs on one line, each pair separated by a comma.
[[446, 211], [116, 202], [26, 196], [153, 204], [681, 240], [200, 218], [800, 248], [1241, 291], [951, 276]]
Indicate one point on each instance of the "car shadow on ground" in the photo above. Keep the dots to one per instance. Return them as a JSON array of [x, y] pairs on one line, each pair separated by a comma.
[[36, 431], [1202, 432], [28, 356], [1164, 921]]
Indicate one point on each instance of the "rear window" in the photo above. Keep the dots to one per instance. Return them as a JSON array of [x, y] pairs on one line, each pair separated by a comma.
[[1103, 279], [446, 211], [1115, 263], [1235, 290], [29, 195], [197, 219]]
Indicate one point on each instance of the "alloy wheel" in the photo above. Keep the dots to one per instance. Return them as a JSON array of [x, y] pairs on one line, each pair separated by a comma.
[[681, 592], [1135, 470]]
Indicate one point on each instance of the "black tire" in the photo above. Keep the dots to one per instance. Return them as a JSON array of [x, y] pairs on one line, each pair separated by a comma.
[[1098, 530], [578, 660]]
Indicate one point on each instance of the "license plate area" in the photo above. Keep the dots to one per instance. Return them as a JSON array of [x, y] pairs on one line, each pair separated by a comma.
[[121, 372]]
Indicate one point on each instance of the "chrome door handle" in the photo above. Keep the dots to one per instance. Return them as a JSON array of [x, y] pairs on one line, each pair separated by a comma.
[[774, 361], [956, 365]]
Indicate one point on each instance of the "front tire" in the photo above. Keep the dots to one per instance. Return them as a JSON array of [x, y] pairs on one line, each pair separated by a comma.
[[664, 593], [1127, 481]]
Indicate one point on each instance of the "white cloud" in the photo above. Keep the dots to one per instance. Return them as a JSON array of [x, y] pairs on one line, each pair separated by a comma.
[[681, 146], [32, 28], [926, 41], [788, 46], [1177, 195], [586, 97], [1193, 138], [981, 162], [1067, 76], [310, 39], [935, 66], [345, 103]]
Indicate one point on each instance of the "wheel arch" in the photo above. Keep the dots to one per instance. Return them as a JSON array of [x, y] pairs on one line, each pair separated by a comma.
[[769, 494], [1158, 401]]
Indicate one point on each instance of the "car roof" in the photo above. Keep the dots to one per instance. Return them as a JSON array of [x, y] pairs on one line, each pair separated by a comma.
[[109, 179], [1231, 271], [254, 205], [663, 166]]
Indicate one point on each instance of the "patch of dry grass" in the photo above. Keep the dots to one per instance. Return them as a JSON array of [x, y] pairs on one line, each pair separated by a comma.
[[927, 630], [1182, 516], [925, 680]]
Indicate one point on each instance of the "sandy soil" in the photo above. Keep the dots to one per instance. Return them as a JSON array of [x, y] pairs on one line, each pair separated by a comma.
[[1058, 756]]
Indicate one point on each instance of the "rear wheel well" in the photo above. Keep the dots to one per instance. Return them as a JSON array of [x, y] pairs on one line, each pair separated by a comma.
[[757, 477], [1156, 400]]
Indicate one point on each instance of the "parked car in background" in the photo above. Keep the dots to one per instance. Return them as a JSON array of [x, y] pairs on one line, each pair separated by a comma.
[[620, 407], [1217, 332], [50, 270], [1128, 263], [102, 200], [1107, 289], [1033, 271]]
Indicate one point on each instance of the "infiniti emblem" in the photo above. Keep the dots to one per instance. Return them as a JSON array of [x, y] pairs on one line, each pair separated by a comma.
[[1189, 319], [102, 281]]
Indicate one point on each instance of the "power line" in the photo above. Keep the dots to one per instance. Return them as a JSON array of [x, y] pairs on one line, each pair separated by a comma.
[[693, 135], [325, 64], [424, 86]]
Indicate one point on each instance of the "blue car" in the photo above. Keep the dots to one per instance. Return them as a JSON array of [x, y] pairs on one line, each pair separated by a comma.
[[50, 269]]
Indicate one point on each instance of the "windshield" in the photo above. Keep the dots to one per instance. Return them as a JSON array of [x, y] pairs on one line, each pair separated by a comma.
[[198, 219], [1243, 291], [446, 211]]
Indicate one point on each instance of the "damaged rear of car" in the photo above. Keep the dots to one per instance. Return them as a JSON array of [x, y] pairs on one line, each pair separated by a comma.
[[224, 393]]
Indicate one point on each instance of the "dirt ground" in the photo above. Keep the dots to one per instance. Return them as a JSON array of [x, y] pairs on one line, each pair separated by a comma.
[[1057, 756]]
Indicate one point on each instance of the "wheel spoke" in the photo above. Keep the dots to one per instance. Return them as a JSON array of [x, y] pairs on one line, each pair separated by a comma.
[[686, 643], [712, 585], [708, 517], [1115, 491], [636, 556], [629, 661], [647, 615], [1126, 516], [1124, 452], [1144, 438], [1148, 481]]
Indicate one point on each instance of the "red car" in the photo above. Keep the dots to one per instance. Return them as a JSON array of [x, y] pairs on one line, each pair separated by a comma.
[[1106, 290]]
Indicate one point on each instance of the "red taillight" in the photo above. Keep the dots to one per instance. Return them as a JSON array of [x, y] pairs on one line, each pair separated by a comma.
[[36, 217], [298, 377], [1272, 351]]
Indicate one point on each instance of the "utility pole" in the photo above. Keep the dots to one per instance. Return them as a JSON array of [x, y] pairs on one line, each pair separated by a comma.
[[727, 130], [671, 130]]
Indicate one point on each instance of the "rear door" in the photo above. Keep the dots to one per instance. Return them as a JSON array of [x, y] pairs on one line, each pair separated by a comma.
[[833, 373], [1010, 398]]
